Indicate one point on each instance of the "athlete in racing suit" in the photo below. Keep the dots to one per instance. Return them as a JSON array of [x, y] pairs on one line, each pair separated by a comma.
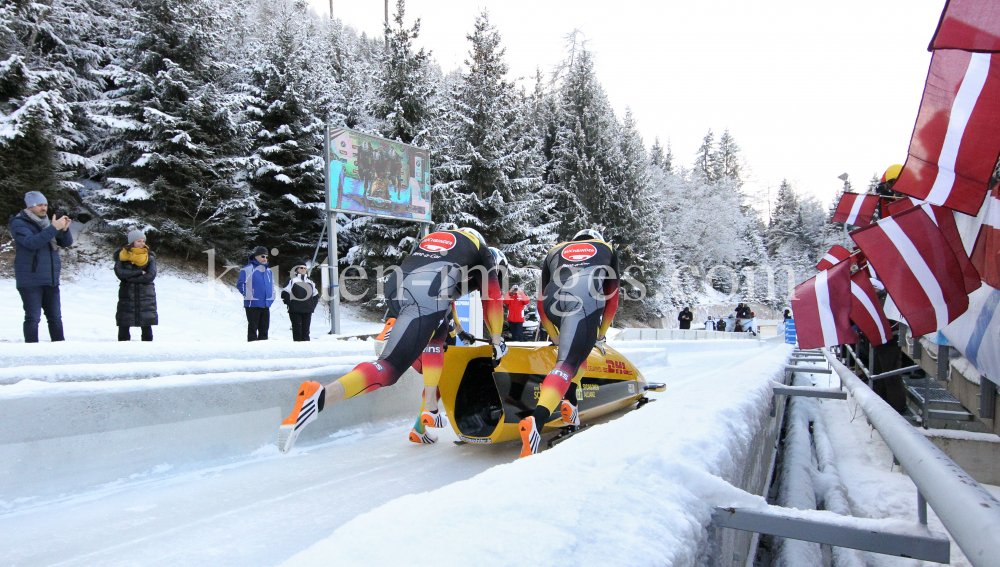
[[444, 266], [580, 281]]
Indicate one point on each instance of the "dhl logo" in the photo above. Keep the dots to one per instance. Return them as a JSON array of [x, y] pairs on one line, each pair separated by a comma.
[[616, 367]]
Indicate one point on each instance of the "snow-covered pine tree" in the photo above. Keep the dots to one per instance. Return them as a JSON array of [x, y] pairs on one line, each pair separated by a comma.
[[48, 52], [656, 153], [172, 158], [285, 167], [488, 178], [631, 223], [704, 163], [726, 159], [586, 145]]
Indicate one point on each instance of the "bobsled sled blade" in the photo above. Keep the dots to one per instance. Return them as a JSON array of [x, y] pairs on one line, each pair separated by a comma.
[[655, 387]]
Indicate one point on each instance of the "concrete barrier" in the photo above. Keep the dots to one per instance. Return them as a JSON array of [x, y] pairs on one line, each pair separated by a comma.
[[679, 335], [63, 438]]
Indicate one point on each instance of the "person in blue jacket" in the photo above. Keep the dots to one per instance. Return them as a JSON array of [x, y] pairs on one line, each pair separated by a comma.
[[36, 264], [256, 284]]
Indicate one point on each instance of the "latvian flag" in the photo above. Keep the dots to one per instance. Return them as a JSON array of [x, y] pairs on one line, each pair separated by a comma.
[[971, 25], [917, 267], [986, 252], [836, 255], [822, 308], [866, 310], [956, 141], [855, 209], [944, 218]]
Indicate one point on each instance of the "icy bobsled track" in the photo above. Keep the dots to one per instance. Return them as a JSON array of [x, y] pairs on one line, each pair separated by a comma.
[[121, 462]]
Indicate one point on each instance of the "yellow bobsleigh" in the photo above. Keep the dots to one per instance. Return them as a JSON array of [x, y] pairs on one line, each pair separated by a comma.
[[486, 404]]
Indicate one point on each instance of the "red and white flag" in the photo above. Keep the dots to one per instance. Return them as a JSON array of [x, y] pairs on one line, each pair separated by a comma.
[[836, 255], [866, 310], [986, 252], [944, 218], [917, 267], [822, 309], [955, 142], [855, 209], [970, 25]]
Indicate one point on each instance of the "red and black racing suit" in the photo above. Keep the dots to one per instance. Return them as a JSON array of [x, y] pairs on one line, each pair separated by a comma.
[[445, 266], [580, 282]]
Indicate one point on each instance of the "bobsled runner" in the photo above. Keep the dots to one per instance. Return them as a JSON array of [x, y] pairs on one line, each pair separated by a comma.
[[485, 404]]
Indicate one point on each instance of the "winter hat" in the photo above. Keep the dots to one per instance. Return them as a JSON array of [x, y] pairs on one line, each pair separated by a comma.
[[34, 198], [259, 251], [135, 234], [299, 264]]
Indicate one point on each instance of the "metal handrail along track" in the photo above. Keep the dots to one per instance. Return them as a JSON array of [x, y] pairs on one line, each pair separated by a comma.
[[970, 513]]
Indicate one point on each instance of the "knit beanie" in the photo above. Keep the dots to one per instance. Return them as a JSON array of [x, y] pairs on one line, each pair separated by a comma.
[[34, 198], [135, 234], [259, 251]]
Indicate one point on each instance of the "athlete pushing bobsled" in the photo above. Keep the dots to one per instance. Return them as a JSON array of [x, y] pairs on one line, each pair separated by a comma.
[[444, 266], [577, 303]]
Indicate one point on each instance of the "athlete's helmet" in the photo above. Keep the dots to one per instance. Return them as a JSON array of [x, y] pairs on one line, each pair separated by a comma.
[[473, 232], [500, 258], [589, 234], [892, 173]]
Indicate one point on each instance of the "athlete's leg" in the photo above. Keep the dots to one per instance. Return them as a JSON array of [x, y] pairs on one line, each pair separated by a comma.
[[432, 361], [419, 317], [578, 329]]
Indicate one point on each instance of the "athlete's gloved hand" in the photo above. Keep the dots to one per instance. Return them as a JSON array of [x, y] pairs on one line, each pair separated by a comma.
[[467, 338], [498, 352], [602, 344]]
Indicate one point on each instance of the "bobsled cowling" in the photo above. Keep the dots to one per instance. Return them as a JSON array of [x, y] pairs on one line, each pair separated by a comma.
[[486, 404]]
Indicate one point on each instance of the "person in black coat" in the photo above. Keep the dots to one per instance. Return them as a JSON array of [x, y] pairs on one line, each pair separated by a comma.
[[685, 317], [301, 297], [135, 266]]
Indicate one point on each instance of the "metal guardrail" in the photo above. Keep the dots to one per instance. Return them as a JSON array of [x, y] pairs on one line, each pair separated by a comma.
[[970, 513]]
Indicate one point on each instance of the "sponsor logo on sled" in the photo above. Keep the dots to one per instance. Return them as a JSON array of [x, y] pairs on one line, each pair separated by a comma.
[[474, 440], [631, 388], [438, 242], [579, 252]]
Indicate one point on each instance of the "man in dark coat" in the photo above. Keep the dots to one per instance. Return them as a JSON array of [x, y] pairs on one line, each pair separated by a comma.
[[685, 317], [135, 266], [36, 264]]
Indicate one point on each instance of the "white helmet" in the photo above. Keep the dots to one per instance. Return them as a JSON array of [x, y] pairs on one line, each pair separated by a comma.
[[473, 232], [500, 258], [588, 234]]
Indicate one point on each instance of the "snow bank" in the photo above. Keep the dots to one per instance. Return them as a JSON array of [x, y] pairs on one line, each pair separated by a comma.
[[638, 490], [190, 310]]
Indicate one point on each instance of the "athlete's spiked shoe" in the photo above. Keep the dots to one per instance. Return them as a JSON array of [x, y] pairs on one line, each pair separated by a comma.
[[308, 404], [433, 419], [570, 414], [529, 436], [426, 437]]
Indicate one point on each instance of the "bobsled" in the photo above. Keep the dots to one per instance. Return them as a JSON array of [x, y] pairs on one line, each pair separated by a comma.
[[485, 404]]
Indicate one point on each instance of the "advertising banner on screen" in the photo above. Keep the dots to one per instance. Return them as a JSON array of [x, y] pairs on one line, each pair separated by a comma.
[[374, 176]]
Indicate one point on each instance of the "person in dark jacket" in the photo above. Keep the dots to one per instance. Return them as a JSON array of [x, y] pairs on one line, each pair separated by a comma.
[[685, 317], [301, 297], [256, 284], [36, 264], [135, 266]]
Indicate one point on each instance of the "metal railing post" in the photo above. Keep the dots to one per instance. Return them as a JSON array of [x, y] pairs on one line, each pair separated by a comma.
[[921, 508]]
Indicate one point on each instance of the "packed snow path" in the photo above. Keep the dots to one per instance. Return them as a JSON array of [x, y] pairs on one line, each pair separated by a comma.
[[265, 508]]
